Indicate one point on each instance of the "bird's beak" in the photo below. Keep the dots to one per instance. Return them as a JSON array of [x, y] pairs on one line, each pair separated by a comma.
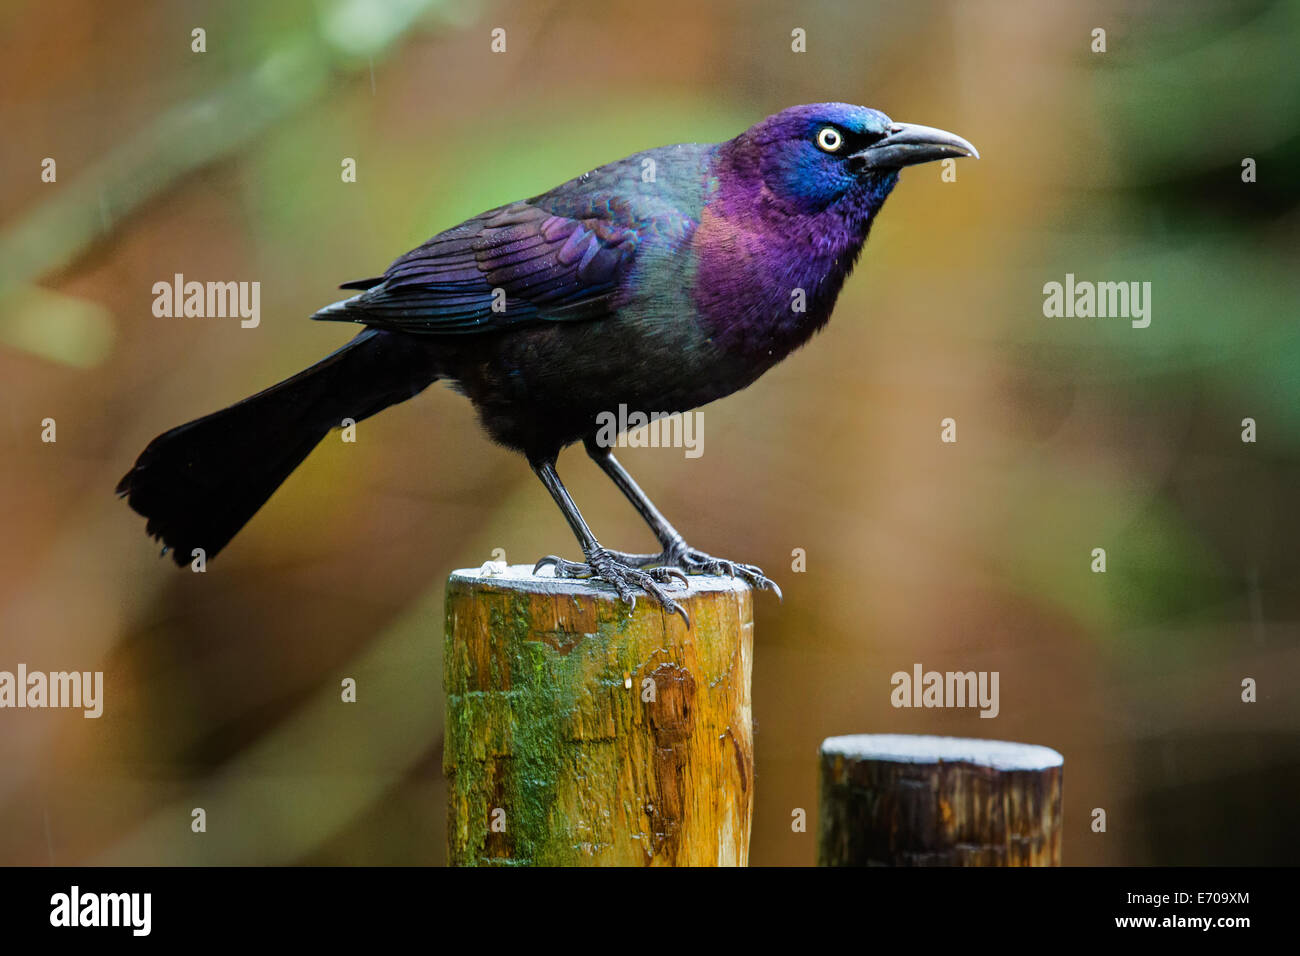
[[907, 145]]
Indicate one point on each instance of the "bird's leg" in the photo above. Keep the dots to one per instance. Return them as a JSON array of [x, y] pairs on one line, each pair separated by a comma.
[[677, 553], [603, 564]]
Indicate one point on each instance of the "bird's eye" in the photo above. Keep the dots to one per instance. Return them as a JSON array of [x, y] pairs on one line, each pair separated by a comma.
[[830, 139]]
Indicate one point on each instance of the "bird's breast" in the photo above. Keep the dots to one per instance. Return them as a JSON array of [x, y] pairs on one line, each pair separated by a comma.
[[761, 294]]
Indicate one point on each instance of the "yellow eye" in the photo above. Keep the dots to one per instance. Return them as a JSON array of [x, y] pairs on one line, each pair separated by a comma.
[[830, 139]]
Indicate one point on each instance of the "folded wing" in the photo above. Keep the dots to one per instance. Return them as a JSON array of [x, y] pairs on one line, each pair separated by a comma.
[[516, 264]]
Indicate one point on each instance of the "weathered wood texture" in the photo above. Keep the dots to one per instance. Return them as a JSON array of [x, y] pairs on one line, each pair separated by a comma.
[[896, 800], [552, 759]]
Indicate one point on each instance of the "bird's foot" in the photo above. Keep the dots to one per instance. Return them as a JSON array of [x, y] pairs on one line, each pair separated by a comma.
[[626, 578], [694, 561]]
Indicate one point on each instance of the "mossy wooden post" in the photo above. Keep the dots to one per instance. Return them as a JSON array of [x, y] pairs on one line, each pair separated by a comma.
[[581, 732], [899, 800]]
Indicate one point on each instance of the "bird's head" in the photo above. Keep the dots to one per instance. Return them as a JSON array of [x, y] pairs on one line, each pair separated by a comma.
[[811, 158]]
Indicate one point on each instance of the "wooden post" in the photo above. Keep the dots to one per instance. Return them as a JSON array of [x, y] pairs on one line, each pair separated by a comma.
[[899, 800], [580, 732]]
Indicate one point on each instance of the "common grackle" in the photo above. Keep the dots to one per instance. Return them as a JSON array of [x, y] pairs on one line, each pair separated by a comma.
[[660, 282]]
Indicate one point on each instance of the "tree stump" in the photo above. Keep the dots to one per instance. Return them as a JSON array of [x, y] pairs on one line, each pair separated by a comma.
[[899, 800], [583, 732]]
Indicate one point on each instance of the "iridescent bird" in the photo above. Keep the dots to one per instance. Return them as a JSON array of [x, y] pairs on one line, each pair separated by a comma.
[[657, 292]]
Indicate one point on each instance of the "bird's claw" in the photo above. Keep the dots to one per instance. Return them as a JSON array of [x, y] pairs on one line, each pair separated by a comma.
[[694, 561], [624, 578]]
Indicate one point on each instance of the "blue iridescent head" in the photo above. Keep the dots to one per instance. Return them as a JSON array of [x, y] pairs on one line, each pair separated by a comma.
[[816, 156]]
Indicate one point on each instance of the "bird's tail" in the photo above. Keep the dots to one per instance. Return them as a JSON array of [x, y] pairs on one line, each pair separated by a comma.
[[199, 483]]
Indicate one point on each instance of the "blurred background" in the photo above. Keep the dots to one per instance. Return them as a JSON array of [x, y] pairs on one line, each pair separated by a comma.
[[222, 689]]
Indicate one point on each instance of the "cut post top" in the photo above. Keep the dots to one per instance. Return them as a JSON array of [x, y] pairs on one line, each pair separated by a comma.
[[921, 749], [520, 577]]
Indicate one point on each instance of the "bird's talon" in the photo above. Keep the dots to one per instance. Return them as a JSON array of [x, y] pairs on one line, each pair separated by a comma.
[[626, 579], [692, 561], [672, 574]]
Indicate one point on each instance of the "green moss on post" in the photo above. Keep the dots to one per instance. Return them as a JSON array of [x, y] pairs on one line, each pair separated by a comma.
[[553, 759]]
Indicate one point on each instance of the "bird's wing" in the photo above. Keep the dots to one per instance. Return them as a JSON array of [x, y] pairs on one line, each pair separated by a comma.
[[517, 264]]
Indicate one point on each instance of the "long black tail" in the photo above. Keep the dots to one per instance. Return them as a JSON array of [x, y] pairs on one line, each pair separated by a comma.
[[199, 483]]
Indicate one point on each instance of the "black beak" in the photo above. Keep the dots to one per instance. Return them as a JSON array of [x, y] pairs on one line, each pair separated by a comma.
[[907, 145]]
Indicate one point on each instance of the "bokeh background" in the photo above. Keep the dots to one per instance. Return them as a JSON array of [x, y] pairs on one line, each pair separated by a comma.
[[223, 689]]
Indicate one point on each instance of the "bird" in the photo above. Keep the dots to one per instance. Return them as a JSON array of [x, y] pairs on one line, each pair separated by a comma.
[[661, 282]]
